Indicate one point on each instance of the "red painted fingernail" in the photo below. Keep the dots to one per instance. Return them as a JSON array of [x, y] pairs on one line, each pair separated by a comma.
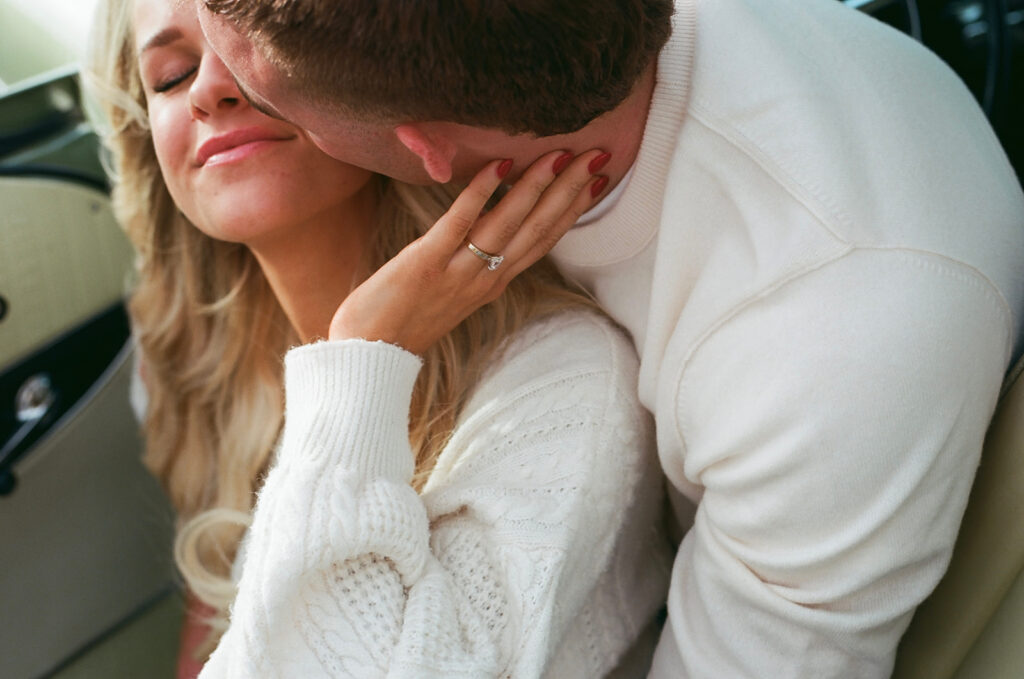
[[503, 169], [597, 187], [597, 163], [562, 161]]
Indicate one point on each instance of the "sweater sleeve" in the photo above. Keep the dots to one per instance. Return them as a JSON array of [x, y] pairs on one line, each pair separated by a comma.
[[835, 425], [349, 572]]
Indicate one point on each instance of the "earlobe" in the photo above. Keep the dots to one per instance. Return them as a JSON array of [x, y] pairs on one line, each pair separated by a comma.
[[435, 151]]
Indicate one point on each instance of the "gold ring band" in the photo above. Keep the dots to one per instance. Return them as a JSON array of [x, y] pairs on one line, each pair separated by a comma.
[[493, 261]]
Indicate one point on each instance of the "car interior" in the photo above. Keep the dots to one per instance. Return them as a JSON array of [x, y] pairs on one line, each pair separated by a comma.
[[87, 580], [86, 528]]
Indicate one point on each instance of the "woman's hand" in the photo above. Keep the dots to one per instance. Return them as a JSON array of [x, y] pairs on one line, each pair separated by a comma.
[[436, 281]]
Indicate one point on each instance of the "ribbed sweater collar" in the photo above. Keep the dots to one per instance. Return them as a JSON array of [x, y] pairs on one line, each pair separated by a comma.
[[633, 222]]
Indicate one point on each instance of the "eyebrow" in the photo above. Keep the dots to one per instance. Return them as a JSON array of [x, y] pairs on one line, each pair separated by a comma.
[[260, 106], [164, 37]]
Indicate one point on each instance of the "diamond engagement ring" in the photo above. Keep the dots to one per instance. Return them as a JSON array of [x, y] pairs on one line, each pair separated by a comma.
[[493, 261]]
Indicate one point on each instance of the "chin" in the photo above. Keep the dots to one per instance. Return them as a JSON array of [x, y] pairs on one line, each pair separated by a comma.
[[249, 231], [231, 233], [232, 225]]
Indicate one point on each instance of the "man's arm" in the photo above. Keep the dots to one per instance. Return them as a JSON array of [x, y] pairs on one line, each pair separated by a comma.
[[835, 425]]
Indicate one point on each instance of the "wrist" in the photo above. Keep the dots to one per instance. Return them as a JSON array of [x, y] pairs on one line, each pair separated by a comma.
[[347, 404]]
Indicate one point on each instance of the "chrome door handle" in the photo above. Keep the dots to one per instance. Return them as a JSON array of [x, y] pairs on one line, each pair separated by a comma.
[[33, 405]]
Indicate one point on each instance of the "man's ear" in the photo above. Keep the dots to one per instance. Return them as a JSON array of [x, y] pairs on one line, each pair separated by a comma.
[[435, 150]]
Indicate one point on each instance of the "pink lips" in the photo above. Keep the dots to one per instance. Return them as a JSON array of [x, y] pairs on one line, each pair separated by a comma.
[[235, 145]]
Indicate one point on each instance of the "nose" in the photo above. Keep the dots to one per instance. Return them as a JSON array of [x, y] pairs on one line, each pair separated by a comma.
[[213, 89]]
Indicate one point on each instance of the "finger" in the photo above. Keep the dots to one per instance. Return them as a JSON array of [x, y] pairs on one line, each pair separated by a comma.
[[531, 243], [543, 199], [450, 230], [480, 285], [561, 197], [494, 230], [570, 196]]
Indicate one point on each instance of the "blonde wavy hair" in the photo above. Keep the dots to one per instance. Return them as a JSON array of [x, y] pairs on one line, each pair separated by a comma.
[[212, 336]]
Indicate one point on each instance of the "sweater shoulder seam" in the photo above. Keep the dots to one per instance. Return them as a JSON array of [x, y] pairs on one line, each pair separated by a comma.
[[826, 211], [940, 263]]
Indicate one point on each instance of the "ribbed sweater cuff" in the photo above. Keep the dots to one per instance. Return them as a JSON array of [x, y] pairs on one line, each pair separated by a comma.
[[347, 405]]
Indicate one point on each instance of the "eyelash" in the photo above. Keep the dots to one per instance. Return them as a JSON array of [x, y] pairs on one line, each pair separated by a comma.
[[170, 83]]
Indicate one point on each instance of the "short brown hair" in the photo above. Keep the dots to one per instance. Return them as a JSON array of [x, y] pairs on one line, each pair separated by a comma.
[[523, 66]]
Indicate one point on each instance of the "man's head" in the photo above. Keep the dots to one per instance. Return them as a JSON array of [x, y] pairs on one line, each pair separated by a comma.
[[351, 71]]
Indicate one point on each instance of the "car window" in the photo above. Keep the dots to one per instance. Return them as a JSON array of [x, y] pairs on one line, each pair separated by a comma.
[[40, 35]]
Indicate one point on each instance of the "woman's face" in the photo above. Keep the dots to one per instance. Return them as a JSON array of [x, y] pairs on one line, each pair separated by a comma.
[[237, 174]]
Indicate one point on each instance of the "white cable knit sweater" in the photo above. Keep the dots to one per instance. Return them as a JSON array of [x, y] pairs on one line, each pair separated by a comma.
[[534, 550]]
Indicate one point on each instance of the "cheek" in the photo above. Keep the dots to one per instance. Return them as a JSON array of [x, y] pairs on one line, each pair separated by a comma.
[[324, 179], [171, 143]]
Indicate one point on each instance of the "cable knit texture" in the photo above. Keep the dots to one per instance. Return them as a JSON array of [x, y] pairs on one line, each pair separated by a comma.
[[534, 549]]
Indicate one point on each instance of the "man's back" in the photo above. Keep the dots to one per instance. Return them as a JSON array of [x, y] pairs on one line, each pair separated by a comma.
[[825, 298]]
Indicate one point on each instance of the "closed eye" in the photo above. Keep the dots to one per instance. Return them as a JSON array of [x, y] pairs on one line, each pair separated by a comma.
[[172, 82]]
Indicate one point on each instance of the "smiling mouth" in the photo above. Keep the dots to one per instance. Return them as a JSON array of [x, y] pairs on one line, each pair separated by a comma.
[[239, 152], [236, 145]]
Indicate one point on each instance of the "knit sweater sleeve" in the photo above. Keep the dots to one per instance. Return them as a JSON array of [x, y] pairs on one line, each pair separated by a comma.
[[835, 425], [349, 572]]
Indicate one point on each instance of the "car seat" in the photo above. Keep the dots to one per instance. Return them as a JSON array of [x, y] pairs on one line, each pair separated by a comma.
[[972, 625]]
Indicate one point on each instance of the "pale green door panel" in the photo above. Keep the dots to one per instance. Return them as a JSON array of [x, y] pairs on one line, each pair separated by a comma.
[[42, 125], [63, 260], [86, 529], [63, 256]]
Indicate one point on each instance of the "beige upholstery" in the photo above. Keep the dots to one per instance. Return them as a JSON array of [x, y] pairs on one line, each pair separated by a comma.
[[63, 259], [972, 626], [998, 652]]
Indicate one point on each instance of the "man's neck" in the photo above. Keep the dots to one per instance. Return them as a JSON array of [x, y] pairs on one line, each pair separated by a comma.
[[620, 131]]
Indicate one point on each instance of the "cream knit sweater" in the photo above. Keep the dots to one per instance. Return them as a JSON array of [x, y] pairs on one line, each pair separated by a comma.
[[535, 549], [819, 257]]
